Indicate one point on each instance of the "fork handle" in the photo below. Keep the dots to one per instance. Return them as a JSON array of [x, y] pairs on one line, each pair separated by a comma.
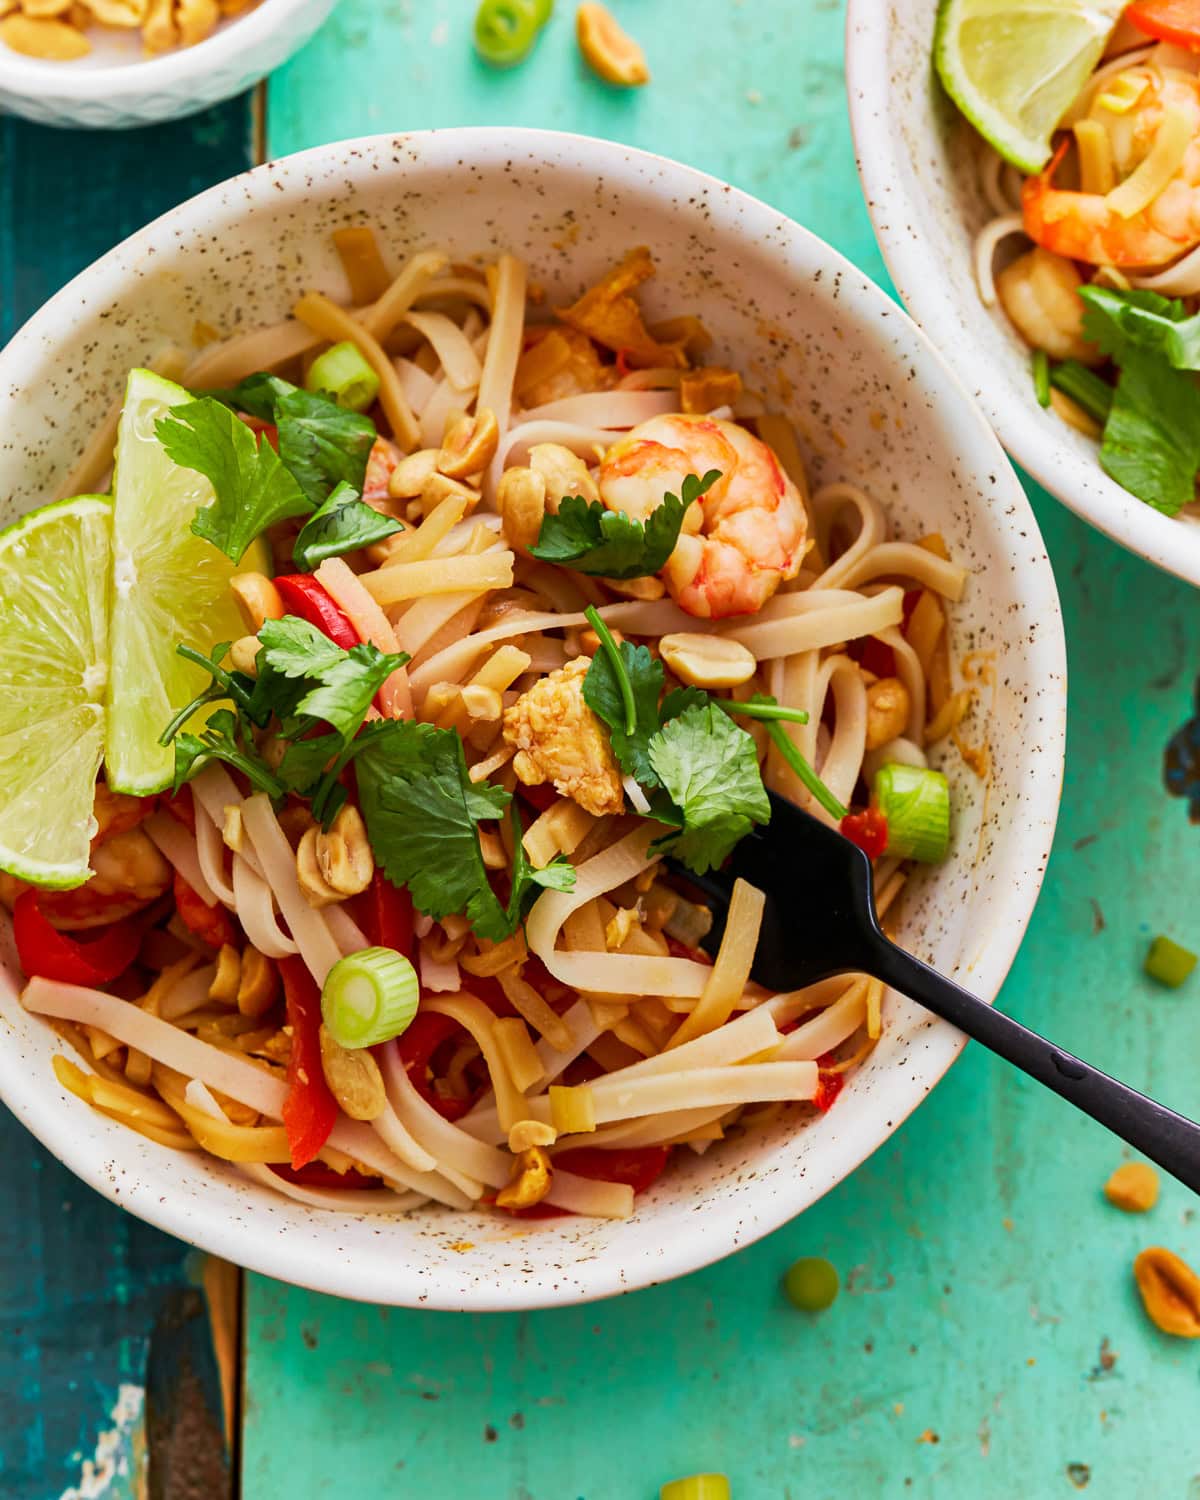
[[1150, 1128]]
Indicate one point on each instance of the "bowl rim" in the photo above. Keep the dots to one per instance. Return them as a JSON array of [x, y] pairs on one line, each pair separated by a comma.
[[300, 1262], [38, 77], [1074, 479]]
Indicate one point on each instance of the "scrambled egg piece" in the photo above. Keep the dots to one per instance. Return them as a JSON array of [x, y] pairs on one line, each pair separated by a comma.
[[559, 739]]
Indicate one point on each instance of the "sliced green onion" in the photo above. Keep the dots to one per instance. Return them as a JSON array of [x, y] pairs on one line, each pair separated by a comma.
[[811, 1284], [345, 374], [782, 741], [1168, 962], [1041, 377], [369, 997], [916, 803], [763, 708], [505, 30], [1084, 387], [609, 646], [696, 1487]]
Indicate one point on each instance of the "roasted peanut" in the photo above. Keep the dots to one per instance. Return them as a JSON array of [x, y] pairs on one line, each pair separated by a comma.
[[344, 856], [244, 654], [195, 19], [527, 1133], [482, 703], [231, 828], [707, 661], [259, 984], [887, 711], [44, 37], [521, 497], [1133, 1187], [530, 1182], [589, 641], [353, 1077], [607, 50], [565, 473], [439, 486], [638, 588], [224, 986], [469, 445], [45, 7], [118, 12], [409, 476], [619, 926], [257, 598], [314, 887], [1170, 1292]]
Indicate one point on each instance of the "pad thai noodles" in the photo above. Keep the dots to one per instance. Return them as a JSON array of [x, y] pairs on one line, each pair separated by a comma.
[[1099, 252], [374, 899]]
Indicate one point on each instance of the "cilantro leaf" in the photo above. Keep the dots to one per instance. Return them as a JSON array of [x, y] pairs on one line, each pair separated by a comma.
[[609, 544], [343, 683], [342, 523], [1114, 320], [321, 443], [221, 740], [1151, 442], [709, 767], [252, 487], [304, 761], [602, 694], [421, 808]]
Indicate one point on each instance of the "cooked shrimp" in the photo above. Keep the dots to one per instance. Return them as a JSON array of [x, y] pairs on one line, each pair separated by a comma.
[[1160, 137], [128, 870], [742, 539]]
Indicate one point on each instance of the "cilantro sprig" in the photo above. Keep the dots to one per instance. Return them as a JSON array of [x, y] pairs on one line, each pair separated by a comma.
[[609, 544], [340, 524], [1151, 440]]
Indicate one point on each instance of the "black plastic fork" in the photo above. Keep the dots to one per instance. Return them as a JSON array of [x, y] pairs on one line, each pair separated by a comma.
[[819, 920]]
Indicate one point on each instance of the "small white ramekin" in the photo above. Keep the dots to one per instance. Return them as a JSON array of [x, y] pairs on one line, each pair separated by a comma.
[[117, 87]]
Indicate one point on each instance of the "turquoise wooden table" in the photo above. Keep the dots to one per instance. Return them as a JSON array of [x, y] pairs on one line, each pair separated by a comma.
[[988, 1341]]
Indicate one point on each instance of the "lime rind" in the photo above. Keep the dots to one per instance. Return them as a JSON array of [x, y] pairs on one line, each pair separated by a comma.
[[1014, 67], [54, 566], [169, 586]]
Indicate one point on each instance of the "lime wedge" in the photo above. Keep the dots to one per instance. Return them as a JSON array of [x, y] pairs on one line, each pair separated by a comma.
[[53, 666], [1014, 67], [169, 586]]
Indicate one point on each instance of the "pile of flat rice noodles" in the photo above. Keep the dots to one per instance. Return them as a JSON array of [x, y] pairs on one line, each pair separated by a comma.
[[686, 1050]]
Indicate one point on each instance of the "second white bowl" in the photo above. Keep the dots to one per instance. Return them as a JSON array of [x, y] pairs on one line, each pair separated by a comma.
[[917, 158]]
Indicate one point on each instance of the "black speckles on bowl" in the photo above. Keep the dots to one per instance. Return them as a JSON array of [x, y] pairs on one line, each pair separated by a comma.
[[873, 404]]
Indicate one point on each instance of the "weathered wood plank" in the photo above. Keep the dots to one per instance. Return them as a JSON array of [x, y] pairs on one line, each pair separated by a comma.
[[83, 1285], [988, 1341]]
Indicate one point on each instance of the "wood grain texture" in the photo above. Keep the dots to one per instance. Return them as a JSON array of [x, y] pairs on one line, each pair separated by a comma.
[[83, 1285], [988, 1340]]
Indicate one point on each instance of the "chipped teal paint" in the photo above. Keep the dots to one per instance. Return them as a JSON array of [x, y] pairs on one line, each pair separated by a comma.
[[987, 1285], [80, 1282]]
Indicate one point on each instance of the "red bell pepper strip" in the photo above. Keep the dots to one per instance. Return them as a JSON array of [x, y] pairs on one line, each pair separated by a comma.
[[1175, 21], [44, 951], [417, 1045], [211, 924], [829, 1085], [868, 830], [305, 597], [385, 913], [310, 1110]]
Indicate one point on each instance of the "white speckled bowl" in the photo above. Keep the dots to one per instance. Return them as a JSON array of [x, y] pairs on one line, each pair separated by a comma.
[[873, 402], [117, 86], [917, 160]]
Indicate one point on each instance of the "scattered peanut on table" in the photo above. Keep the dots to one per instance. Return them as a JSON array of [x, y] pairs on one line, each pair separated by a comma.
[[1170, 1292], [1133, 1187]]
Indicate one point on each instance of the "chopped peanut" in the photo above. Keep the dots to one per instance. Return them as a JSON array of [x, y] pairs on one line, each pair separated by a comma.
[[531, 1180], [353, 1077], [521, 497], [565, 474], [43, 37], [1133, 1187], [1170, 1292], [224, 986], [608, 51], [257, 598], [259, 984], [887, 711], [469, 445], [526, 1133], [408, 477], [244, 654], [344, 856], [707, 661], [315, 889]]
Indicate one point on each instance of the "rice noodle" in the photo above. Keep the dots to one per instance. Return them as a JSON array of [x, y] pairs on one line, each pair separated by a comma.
[[452, 347], [255, 907], [605, 409], [504, 343], [312, 937], [210, 851], [178, 846]]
